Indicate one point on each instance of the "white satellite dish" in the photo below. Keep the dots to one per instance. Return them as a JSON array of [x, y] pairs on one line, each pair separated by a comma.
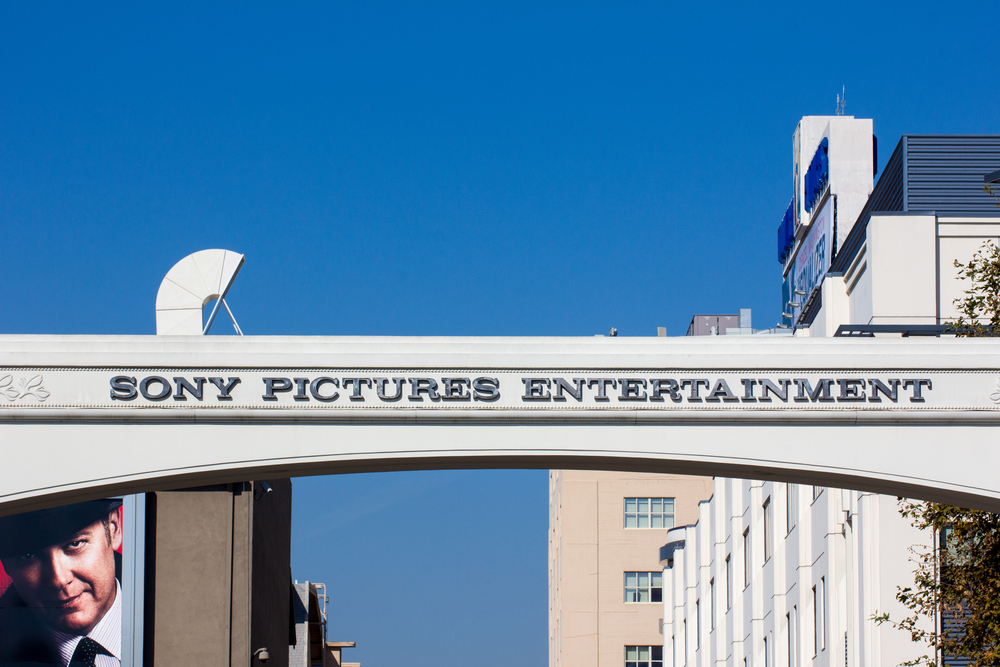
[[189, 285]]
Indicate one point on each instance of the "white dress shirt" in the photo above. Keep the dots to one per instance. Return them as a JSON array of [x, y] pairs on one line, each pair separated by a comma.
[[107, 633]]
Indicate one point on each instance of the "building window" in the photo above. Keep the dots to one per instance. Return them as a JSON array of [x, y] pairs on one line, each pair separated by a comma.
[[649, 512], [729, 582], [767, 655], [815, 624], [819, 617], [643, 656], [792, 625], [711, 608], [697, 624], [816, 491], [793, 639], [788, 630], [822, 613], [746, 557], [791, 506], [684, 654], [643, 587], [768, 527]]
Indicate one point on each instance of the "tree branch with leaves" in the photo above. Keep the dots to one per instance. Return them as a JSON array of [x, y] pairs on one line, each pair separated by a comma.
[[956, 585], [979, 311], [957, 582]]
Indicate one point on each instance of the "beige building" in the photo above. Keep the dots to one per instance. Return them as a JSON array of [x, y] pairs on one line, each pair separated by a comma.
[[605, 579], [311, 649], [217, 575]]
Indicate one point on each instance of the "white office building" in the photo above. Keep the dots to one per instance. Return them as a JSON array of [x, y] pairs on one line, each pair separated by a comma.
[[783, 575], [787, 575]]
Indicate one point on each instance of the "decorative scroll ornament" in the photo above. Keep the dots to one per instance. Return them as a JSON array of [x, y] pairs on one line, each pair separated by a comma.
[[995, 396], [30, 387]]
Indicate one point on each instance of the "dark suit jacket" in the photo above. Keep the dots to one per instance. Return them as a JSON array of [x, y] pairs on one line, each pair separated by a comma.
[[23, 640]]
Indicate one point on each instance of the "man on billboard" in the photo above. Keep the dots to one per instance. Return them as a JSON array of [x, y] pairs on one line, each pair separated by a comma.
[[64, 604]]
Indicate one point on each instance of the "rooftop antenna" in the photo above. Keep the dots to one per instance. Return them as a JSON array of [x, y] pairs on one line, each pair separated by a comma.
[[841, 100], [189, 285]]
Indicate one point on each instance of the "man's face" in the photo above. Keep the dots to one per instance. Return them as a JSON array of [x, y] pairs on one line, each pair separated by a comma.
[[71, 585]]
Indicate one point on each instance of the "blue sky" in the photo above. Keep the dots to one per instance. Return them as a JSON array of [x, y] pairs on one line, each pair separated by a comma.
[[435, 169]]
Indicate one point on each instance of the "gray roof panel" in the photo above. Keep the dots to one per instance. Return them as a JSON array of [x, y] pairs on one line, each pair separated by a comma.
[[928, 172]]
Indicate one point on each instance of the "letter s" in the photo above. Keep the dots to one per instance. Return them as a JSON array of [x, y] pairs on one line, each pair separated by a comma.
[[486, 389], [123, 388]]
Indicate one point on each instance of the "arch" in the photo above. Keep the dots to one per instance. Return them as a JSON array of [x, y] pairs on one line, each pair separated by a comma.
[[906, 417]]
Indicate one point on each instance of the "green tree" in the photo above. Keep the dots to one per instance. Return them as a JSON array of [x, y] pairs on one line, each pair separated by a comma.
[[979, 311], [959, 580]]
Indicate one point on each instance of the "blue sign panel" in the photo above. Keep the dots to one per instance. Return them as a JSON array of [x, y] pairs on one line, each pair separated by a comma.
[[817, 175], [786, 233]]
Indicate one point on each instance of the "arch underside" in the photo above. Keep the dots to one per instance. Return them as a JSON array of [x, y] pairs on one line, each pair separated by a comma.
[[68, 462]]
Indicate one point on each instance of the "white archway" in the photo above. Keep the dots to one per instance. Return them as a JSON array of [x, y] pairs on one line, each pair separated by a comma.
[[84, 416]]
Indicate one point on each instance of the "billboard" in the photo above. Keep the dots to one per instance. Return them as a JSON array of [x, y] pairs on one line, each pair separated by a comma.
[[63, 597], [814, 256]]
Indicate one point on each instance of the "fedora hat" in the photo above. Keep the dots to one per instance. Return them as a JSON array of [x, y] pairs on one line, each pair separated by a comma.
[[31, 531]]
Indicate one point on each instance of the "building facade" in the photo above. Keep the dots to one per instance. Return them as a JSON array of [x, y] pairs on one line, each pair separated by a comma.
[[834, 161], [309, 647], [897, 265], [785, 575], [605, 580], [217, 568]]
